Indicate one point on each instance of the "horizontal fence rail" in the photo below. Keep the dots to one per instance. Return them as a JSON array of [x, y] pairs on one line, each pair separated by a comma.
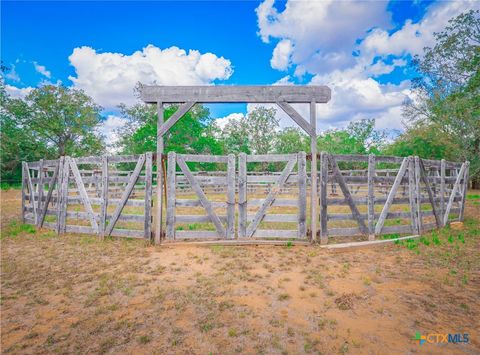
[[358, 195]]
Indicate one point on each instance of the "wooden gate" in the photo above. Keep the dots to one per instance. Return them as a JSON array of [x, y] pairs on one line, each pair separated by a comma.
[[249, 224], [218, 218]]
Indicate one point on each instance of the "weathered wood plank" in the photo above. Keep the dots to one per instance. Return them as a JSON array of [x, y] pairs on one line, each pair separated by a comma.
[[260, 158], [347, 195], [223, 93], [197, 218], [197, 203], [147, 226], [171, 183], [371, 197], [391, 196], [242, 195], [296, 117], [158, 163], [464, 192], [41, 174], [272, 233], [442, 189], [202, 197], [83, 194], [302, 195], [418, 196], [181, 111], [270, 198], [412, 195], [204, 158], [397, 229], [277, 203], [230, 228], [128, 190], [32, 192], [314, 216], [323, 198], [103, 197], [195, 234]]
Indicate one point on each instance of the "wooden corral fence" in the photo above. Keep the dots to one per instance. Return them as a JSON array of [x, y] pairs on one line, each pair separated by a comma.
[[359, 195]]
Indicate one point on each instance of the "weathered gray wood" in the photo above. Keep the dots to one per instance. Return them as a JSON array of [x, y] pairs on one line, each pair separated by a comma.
[[181, 111], [442, 189], [295, 116], [32, 193], [418, 196], [456, 186], [464, 192], [204, 158], [242, 195], [49, 195], [197, 203], [313, 171], [59, 193], [406, 228], [171, 183], [348, 196], [41, 174], [430, 194], [230, 230], [371, 197], [270, 197], [323, 197], [103, 197], [202, 197], [279, 202], [24, 186], [128, 190], [391, 196], [260, 158], [412, 195], [83, 194], [250, 94], [147, 226], [302, 195], [197, 218], [158, 162]]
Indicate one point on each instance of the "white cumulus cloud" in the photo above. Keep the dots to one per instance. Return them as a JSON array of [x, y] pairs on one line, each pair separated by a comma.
[[42, 70], [110, 78], [17, 93]]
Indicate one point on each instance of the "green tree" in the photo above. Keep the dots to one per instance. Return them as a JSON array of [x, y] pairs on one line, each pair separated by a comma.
[[447, 91], [17, 144], [193, 133], [291, 140], [66, 118]]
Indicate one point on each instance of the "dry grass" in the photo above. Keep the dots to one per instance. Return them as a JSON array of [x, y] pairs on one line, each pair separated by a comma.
[[77, 294]]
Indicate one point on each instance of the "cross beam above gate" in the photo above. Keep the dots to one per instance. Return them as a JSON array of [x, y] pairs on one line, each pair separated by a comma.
[[223, 94]]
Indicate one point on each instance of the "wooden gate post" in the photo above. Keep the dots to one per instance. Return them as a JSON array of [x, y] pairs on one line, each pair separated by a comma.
[[104, 197], [148, 197], [230, 230], [314, 185], [159, 209], [323, 197], [412, 194], [371, 197], [442, 190], [171, 181], [302, 194], [464, 192], [242, 195], [418, 195]]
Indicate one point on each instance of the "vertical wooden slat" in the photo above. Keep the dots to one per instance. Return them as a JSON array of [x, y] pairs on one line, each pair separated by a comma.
[[371, 197], [171, 175], [147, 227], [230, 230], [442, 189], [60, 194], [40, 191], [431, 196], [242, 195], [412, 195], [323, 197], [159, 200], [302, 194], [418, 197], [24, 186], [455, 188], [313, 150], [32, 193], [104, 196], [464, 192]]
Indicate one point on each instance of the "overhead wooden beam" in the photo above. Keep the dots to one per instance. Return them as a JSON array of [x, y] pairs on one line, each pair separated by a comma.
[[294, 115], [182, 110], [249, 94]]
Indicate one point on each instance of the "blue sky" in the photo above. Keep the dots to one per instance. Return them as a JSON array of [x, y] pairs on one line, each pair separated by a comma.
[[360, 49]]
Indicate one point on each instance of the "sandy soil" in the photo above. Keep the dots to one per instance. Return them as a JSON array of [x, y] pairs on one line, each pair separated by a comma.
[[74, 294]]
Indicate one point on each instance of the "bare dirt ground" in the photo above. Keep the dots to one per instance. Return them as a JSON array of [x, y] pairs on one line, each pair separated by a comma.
[[74, 294]]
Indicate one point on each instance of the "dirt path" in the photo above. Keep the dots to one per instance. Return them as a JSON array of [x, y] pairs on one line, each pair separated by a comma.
[[76, 294]]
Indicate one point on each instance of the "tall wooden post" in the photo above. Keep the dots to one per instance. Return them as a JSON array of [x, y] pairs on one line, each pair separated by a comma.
[[313, 149], [159, 209], [371, 197]]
